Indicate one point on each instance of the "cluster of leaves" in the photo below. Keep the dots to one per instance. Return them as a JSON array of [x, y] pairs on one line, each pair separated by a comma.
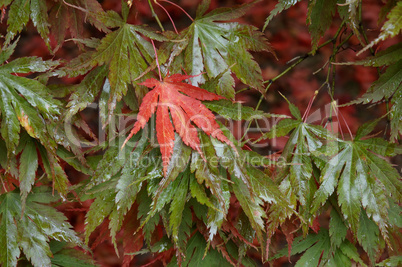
[[210, 199]]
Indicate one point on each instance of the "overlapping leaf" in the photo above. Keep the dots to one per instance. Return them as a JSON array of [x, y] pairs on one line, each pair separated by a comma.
[[237, 111], [362, 179], [25, 102], [368, 236], [115, 189], [296, 175], [251, 186], [64, 255], [31, 231], [33, 156], [209, 176], [392, 27], [195, 254], [388, 86], [386, 57], [317, 250], [28, 103], [217, 47], [126, 56]]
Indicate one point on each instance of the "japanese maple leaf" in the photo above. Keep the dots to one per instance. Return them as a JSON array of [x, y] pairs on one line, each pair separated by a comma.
[[184, 109]]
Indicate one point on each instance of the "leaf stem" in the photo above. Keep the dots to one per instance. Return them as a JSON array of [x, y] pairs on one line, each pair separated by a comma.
[[156, 58], [76, 7], [155, 15], [2, 182], [346, 123], [179, 7], [167, 13]]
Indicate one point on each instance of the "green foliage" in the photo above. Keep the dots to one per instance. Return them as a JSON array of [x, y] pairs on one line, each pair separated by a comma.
[[25, 102], [220, 204], [319, 18], [279, 8], [317, 250], [296, 175], [362, 179], [211, 45], [126, 55], [392, 27], [64, 255], [31, 231], [388, 86]]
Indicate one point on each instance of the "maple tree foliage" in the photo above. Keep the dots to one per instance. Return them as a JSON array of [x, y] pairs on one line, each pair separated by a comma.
[[191, 182]]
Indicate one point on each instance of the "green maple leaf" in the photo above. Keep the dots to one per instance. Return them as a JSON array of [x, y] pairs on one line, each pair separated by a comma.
[[392, 27], [26, 102], [209, 175], [391, 261], [64, 255], [362, 179], [319, 18], [72, 15], [368, 236], [348, 12], [126, 56], [296, 175], [215, 46], [116, 183], [19, 14], [28, 167], [251, 187], [250, 202], [33, 157], [195, 251], [237, 111], [281, 6], [388, 86], [144, 206], [337, 229], [177, 205], [164, 192], [318, 252], [30, 231], [386, 57]]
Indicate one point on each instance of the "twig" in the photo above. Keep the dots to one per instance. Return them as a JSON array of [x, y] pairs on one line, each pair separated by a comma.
[[298, 59], [155, 15]]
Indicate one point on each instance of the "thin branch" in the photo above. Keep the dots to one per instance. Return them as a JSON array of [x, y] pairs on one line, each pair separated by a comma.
[[76, 7], [155, 15], [298, 59]]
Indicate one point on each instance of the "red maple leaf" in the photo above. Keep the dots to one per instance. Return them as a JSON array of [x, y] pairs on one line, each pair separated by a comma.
[[184, 109]]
